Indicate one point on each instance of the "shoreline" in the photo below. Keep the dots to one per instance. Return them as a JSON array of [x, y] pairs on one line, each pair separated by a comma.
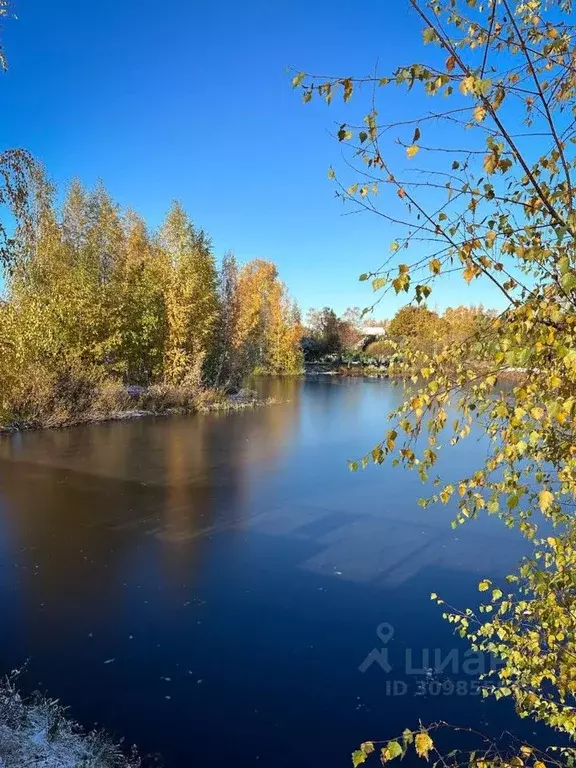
[[510, 375], [237, 402]]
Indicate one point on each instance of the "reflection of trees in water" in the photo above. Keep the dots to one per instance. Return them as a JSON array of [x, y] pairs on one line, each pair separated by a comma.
[[65, 563], [81, 501], [268, 430], [333, 401]]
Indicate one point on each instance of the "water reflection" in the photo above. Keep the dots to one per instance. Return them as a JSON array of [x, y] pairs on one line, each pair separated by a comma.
[[235, 555]]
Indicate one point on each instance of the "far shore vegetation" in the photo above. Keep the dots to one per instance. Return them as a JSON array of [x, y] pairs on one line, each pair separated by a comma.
[[102, 317]]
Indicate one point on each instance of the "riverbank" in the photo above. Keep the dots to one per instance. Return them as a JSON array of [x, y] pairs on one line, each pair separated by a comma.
[[115, 403], [351, 370], [508, 375]]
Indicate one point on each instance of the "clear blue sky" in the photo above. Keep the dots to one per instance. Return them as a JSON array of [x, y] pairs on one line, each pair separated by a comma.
[[191, 100]]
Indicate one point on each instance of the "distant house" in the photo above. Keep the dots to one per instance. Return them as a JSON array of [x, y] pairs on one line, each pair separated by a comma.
[[374, 330], [371, 333]]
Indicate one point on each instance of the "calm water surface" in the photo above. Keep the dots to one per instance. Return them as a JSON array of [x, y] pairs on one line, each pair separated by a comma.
[[211, 587]]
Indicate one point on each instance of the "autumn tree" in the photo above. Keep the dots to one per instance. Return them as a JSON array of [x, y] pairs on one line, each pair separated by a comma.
[[324, 328], [351, 332], [95, 302], [17, 176], [190, 292], [267, 333], [488, 196], [228, 370], [414, 322], [283, 332], [463, 323], [137, 321]]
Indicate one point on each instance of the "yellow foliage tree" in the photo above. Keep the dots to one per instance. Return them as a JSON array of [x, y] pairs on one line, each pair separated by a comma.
[[495, 202], [190, 293]]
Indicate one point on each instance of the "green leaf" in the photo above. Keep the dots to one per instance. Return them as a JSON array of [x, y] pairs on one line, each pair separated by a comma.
[[367, 747], [344, 134], [568, 281], [390, 751], [358, 757], [298, 79], [484, 585]]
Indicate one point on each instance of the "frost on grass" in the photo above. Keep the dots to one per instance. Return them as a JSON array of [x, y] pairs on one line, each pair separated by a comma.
[[36, 732]]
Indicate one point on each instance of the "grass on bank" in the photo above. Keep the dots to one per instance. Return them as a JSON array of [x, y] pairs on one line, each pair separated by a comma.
[[38, 732], [75, 395]]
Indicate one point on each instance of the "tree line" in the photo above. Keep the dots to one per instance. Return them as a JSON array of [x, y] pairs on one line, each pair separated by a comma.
[[413, 325], [94, 297]]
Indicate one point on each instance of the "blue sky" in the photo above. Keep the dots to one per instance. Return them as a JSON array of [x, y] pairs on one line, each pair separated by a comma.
[[190, 100]]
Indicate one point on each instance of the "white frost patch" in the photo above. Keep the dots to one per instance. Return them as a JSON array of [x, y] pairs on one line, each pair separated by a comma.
[[38, 733]]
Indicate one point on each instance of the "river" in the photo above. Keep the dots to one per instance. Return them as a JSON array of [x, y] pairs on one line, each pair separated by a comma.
[[221, 590]]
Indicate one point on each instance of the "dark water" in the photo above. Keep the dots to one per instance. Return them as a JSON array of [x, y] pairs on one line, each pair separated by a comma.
[[235, 575]]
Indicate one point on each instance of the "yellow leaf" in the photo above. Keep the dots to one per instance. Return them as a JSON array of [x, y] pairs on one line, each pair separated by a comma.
[[490, 163], [479, 113], [297, 79], [423, 744], [484, 585], [499, 98], [467, 85], [545, 500], [412, 150], [469, 273]]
